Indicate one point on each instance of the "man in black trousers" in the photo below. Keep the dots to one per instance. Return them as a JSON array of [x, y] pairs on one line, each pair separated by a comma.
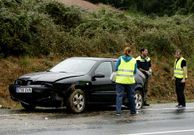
[[144, 65], [180, 75]]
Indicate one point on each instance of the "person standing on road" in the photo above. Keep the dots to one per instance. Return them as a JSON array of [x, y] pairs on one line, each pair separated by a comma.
[[144, 65], [125, 68], [180, 75]]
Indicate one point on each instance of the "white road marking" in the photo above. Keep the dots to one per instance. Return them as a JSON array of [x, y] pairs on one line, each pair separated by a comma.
[[163, 132]]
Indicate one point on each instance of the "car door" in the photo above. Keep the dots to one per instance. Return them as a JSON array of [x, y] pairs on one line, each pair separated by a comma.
[[103, 89]]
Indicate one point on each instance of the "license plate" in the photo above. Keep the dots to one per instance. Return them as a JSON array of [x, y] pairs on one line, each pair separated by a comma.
[[23, 90]]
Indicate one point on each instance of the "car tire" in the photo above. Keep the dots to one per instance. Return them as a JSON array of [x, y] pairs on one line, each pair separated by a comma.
[[28, 107], [138, 99], [76, 102]]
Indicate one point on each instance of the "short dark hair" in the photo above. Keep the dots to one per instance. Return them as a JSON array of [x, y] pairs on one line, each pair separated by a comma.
[[142, 49]]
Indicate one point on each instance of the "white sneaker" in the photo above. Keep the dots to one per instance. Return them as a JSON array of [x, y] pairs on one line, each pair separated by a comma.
[[118, 114], [181, 107]]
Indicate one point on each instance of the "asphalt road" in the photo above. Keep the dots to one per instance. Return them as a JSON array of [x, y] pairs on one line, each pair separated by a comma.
[[158, 119]]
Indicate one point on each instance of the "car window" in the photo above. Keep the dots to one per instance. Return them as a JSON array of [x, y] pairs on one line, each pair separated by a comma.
[[104, 68], [114, 63], [74, 66]]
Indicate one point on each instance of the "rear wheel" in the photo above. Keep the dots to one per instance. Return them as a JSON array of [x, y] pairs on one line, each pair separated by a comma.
[[76, 102], [28, 107], [138, 99]]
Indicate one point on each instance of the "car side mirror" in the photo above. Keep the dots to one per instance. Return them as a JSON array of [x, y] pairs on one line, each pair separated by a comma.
[[99, 75]]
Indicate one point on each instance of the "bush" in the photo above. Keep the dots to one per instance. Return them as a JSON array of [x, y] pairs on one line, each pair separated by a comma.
[[68, 17], [107, 43], [27, 32], [23, 33], [156, 43], [10, 3], [36, 28]]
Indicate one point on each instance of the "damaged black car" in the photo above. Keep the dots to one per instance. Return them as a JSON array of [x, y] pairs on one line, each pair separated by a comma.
[[74, 83]]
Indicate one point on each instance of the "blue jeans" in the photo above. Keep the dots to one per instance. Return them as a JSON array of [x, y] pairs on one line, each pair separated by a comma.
[[120, 90]]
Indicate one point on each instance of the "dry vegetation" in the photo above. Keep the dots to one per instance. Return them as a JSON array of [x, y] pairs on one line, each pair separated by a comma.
[[11, 68], [161, 88]]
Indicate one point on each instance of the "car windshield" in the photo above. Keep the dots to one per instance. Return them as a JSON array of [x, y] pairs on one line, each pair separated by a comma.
[[74, 66]]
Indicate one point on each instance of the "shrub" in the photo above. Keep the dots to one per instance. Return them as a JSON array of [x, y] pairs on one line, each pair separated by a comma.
[[107, 43], [25, 32], [68, 17], [157, 44], [36, 28]]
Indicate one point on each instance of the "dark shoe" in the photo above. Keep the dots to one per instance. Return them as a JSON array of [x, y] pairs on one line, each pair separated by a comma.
[[134, 113], [146, 104]]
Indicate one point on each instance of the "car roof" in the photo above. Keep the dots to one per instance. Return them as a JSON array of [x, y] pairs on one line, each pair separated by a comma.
[[95, 58]]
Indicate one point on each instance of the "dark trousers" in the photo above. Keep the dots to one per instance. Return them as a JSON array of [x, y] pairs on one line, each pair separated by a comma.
[[145, 91], [180, 92], [120, 89]]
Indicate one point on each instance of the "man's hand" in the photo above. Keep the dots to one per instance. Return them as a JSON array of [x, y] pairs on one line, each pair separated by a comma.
[[183, 80], [148, 73], [150, 70]]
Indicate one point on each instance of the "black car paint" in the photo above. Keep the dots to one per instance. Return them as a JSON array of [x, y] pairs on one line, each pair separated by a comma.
[[52, 89]]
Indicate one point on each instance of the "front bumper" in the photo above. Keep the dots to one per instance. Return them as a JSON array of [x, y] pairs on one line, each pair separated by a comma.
[[40, 95]]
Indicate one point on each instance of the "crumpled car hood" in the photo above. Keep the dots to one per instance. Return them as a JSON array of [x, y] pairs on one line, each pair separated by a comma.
[[49, 76]]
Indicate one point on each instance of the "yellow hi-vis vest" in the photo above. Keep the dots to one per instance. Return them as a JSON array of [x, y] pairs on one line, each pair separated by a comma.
[[178, 70], [125, 73]]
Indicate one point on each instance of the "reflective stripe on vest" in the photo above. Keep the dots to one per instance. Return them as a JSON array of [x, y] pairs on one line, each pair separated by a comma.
[[178, 70], [125, 73], [147, 59]]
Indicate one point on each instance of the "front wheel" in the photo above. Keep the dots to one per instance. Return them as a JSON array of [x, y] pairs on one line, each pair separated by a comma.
[[76, 102], [138, 99]]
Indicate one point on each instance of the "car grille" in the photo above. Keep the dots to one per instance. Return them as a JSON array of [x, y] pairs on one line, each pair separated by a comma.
[[22, 82], [30, 82]]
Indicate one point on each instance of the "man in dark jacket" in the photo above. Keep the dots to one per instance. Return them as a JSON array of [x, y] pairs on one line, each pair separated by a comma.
[[144, 65]]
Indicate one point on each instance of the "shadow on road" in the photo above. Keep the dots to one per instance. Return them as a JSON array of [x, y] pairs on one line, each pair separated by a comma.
[[179, 111]]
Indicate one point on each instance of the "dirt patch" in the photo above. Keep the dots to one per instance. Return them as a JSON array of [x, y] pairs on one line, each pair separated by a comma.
[[81, 3], [86, 5]]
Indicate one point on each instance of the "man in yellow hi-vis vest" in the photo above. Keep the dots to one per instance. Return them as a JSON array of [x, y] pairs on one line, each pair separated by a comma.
[[125, 68], [180, 75]]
